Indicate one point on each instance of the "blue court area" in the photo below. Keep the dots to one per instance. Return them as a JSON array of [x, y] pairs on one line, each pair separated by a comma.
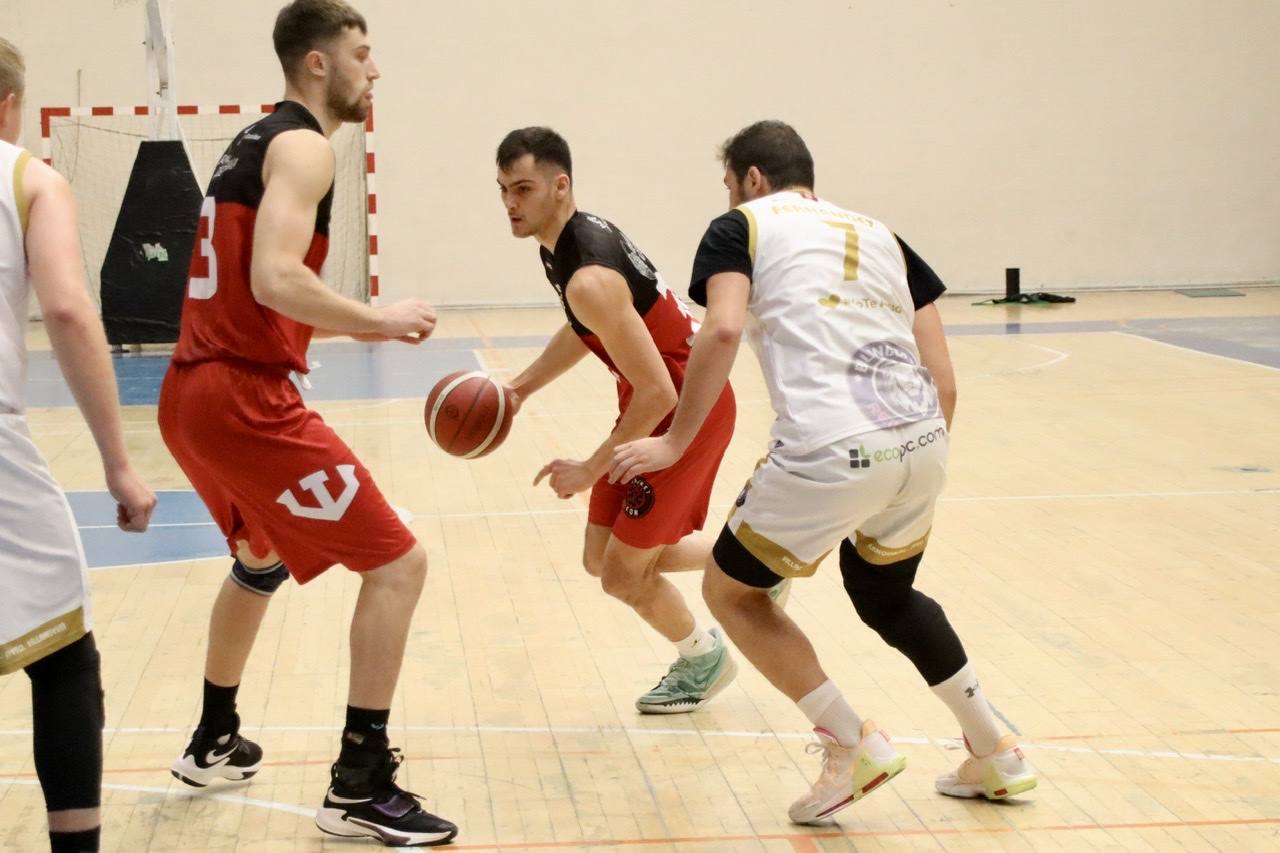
[[355, 371], [182, 529], [339, 371]]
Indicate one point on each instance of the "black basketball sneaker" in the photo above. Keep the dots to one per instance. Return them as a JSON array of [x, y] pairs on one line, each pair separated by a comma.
[[207, 758], [365, 802]]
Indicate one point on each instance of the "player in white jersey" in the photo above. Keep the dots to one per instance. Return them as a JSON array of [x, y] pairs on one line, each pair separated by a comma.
[[45, 620], [856, 362]]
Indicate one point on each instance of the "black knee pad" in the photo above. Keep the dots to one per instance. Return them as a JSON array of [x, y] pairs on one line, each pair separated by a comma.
[[905, 618], [67, 713], [264, 581]]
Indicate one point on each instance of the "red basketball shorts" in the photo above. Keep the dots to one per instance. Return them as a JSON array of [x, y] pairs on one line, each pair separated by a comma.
[[273, 473], [662, 507]]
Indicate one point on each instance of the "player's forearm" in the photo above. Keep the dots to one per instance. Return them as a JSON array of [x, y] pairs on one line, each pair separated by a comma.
[[931, 341], [645, 411], [81, 348], [714, 351], [563, 351], [298, 293]]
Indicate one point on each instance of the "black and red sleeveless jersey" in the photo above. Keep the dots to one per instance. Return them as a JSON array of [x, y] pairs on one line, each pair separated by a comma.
[[588, 240], [220, 318]]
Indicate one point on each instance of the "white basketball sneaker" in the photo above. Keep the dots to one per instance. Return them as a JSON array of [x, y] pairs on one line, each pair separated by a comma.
[[849, 773], [1000, 775]]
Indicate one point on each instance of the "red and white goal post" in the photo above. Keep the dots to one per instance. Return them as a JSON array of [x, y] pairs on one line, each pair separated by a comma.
[[95, 147]]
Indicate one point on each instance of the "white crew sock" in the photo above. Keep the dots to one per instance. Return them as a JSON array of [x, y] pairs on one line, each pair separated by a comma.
[[827, 709], [698, 643], [972, 711]]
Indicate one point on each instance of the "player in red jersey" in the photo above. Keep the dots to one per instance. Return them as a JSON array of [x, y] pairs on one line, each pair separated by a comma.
[[619, 309], [287, 492]]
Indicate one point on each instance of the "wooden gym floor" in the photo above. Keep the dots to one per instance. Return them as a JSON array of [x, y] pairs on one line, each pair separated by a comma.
[[1107, 549]]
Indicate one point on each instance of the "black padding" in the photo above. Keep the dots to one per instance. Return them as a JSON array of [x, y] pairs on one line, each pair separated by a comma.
[[144, 275], [905, 618], [67, 714], [737, 562], [262, 581]]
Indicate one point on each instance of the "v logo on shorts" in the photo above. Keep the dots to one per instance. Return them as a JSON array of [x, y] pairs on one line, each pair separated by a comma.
[[329, 509]]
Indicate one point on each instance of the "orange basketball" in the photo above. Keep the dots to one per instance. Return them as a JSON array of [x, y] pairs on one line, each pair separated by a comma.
[[468, 414]]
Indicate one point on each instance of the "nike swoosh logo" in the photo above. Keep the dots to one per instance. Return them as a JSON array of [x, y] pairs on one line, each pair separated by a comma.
[[334, 798], [213, 758]]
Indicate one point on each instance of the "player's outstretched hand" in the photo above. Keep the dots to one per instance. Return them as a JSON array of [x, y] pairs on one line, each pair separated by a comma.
[[134, 500], [642, 456], [407, 319], [568, 477]]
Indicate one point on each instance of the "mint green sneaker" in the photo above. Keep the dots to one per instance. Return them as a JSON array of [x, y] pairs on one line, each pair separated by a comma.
[[690, 683], [780, 592]]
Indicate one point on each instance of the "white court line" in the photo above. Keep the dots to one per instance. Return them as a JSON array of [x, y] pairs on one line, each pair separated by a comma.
[[151, 563], [1059, 356], [193, 795], [980, 499], [946, 743], [151, 526], [1097, 495], [1138, 334]]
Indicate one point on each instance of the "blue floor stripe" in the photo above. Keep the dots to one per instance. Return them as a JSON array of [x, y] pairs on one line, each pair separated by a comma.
[[355, 371], [181, 529]]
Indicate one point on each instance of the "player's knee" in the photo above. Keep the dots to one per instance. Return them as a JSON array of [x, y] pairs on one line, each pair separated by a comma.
[[618, 584], [593, 563], [407, 575], [882, 595], [715, 590], [725, 596], [260, 580]]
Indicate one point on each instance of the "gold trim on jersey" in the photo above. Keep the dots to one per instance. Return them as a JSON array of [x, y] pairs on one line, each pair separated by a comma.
[[43, 640], [877, 554], [777, 559], [20, 200], [752, 231]]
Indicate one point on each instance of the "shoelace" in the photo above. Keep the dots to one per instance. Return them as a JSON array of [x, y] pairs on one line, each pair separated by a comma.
[[673, 672], [397, 758], [828, 752]]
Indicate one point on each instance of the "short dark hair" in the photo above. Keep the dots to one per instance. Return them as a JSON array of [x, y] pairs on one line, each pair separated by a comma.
[[543, 143], [775, 149], [305, 25]]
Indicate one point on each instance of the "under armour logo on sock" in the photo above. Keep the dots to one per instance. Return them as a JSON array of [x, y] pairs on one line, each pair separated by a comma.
[[971, 691]]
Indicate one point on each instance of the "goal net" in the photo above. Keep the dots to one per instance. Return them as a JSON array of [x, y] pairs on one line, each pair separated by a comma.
[[95, 148]]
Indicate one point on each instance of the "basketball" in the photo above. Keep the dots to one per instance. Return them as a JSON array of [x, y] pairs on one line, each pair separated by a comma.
[[468, 414]]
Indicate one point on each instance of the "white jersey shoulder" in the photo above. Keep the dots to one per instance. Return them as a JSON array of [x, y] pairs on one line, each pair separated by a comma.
[[14, 290], [833, 321]]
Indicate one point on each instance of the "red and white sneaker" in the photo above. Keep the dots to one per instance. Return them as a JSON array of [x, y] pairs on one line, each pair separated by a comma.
[[1002, 774], [849, 773]]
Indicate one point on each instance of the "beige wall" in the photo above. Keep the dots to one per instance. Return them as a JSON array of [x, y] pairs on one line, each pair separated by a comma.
[[1092, 143]]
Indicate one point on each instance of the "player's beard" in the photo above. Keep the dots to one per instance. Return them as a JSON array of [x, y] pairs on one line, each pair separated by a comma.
[[344, 108]]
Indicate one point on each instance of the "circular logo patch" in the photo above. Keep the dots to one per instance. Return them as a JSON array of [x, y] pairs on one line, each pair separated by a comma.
[[639, 498], [890, 386]]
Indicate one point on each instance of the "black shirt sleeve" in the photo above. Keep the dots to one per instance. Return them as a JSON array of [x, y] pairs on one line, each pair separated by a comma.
[[725, 247], [925, 285], [597, 245]]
